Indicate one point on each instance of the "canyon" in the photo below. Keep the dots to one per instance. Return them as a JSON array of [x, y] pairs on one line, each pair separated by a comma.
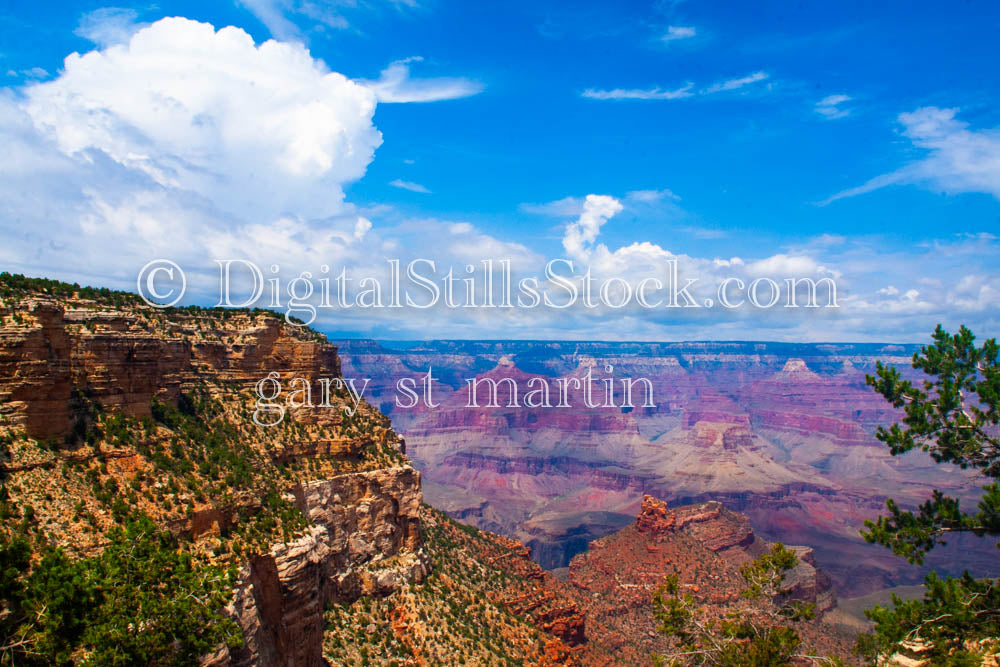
[[601, 610], [782, 432], [111, 411]]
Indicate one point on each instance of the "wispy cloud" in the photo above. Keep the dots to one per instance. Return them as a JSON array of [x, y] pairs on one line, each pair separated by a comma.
[[652, 196], [829, 107], [560, 208], [958, 159], [873, 184], [33, 73], [683, 92], [409, 185], [108, 25], [283, 17], [735, 84], [272, 14], [395, 85], [639, 93], [676, 32]]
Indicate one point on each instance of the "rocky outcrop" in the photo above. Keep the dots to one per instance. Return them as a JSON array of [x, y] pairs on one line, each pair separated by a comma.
[[365, 540], [715, 527], [704, 545], [67, 360], [123, 358], [807, 582], [720, 530], [730, 535], [655, 518], [35, 372]]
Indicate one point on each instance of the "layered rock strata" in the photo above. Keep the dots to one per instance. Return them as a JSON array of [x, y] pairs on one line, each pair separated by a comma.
[[365, 540]]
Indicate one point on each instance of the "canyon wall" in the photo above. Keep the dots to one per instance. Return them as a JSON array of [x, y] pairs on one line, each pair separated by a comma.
[[122, 358], [70, 367], [783, 432], [365, 540]]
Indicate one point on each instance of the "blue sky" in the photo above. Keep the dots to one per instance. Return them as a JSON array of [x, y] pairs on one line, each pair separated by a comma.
[[859, 136]]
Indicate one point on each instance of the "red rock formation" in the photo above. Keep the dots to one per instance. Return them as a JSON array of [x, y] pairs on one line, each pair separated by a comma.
[[113, 358], [35, 372], [654, 518], [704, 545], [781, 431]]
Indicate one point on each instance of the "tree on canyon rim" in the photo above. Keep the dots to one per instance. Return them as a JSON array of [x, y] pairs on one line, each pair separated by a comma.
[[953, 415]]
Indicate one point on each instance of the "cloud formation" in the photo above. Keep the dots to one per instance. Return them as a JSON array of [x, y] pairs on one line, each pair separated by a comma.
[[108, 25], [192, 143], [196, 144], [681, 92], [957, 159], [639, 93], [189, 143], [580, 235], [409, 185], [274, 15], [829, 107], [676, 32], [258, 130], [282, 17], [735, 84], [395, 85]]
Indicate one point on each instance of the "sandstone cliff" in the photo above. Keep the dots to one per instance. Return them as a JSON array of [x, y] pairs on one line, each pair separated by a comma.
[[366, 540], [110, 408]]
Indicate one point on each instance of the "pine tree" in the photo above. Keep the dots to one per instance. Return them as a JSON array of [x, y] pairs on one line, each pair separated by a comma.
[[953, 415]]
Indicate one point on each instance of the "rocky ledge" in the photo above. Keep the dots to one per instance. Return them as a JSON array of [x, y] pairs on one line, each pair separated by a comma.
[[730, 535], [365, 540]]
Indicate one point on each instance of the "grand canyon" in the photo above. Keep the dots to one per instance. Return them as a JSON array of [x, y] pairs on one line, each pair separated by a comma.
[[781, 432], [112, 409]]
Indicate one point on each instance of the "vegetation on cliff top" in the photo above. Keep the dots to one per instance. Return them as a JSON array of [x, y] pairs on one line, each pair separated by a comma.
[[456, 616], [760, 632], [142, 600], [14, 285]]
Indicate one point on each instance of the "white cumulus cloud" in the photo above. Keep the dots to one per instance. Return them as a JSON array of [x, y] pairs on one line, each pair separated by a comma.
[[581, 234], [254, 129]]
